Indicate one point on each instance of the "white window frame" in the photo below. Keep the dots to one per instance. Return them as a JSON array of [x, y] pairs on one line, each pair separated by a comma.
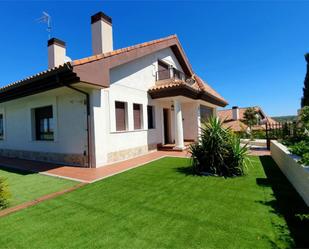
[[31, 121], [126, 116]]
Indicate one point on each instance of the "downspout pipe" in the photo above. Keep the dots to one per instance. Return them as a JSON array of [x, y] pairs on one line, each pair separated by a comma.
[[88, 113], [88, 121]]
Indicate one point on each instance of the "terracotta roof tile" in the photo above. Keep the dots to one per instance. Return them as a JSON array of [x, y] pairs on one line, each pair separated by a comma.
[[20, 82], [169, 83], [119, 51], [207, 88], [199, 85], [227, 117]]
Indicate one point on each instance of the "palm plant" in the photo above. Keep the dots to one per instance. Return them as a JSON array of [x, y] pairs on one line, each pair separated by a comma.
[[218, 151], [238, 157]]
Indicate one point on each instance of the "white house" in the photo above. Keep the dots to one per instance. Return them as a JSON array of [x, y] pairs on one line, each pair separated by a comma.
[[108, 107]]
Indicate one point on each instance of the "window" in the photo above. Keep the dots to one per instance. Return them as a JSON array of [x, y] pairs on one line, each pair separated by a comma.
[[1, 127], [151, 118], [206, 113], [137, 113], [121, 124], [44, 123], [163, 71]]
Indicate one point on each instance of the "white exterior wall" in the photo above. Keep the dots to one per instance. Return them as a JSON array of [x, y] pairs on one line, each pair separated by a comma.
[[69, 112], [129, 83], [190, 113], [297, 174]]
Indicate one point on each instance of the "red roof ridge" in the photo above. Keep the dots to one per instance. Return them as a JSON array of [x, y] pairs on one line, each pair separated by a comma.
[[207, 88], [121, 50]]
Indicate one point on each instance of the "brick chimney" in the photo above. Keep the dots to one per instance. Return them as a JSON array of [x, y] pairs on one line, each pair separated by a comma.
[[235, 113], [56, 52], [102, 33]]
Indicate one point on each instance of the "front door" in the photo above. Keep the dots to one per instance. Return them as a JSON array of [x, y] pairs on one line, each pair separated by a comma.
[[166, 125]]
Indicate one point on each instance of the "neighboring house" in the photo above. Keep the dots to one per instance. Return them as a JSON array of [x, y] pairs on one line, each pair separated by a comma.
[[234, 118], [108, 107]]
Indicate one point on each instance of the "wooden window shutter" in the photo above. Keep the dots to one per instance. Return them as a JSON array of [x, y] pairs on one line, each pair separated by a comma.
[[120, 116], [137, 116]]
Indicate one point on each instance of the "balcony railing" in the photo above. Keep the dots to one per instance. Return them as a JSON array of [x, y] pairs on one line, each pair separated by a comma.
[[171, 73]]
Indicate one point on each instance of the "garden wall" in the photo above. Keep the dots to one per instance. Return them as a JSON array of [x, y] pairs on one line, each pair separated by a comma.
[[297, 174]]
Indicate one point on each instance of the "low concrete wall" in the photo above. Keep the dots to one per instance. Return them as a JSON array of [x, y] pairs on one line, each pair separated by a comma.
[[297, 174], [255, 142]]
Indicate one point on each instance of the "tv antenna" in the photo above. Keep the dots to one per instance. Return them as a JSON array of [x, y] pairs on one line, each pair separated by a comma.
[[46, 18]]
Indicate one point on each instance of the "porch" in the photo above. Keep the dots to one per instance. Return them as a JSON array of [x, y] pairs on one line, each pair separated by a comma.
[[180, 120], [185, 101]]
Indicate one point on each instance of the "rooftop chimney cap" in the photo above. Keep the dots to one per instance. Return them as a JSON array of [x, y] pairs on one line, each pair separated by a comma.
[[235, 107], [55, 41], [101, 16]]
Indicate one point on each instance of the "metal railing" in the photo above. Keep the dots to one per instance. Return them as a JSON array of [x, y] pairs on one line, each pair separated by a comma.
[[280, 131], [171, 73]]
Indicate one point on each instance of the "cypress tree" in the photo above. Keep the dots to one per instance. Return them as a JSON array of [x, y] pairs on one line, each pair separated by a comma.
[[305, 98]]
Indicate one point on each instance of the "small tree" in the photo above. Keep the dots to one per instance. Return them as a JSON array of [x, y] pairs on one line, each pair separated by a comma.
[[305, 98], [304, 116], [251, 117]]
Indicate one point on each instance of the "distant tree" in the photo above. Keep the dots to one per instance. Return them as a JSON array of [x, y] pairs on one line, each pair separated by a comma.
[[251, 117], [304, 117], [305, 98]]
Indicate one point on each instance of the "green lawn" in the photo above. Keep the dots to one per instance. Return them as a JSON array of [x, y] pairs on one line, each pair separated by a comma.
[[25, 186], [162, 205]]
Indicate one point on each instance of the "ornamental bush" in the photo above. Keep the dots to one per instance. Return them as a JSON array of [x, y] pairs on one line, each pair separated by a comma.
[[218, 151], [4, 194]]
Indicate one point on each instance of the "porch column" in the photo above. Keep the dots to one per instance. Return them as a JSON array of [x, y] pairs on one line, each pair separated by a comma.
[[178, 125]]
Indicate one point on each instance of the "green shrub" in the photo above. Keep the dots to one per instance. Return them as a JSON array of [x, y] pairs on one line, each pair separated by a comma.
[[4, 194], [218, 151], [299, 148], [305, 159], [257, 134]]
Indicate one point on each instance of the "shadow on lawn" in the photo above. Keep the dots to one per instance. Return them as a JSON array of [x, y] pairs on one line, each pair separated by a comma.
[[187, 170], [287, 202], [16, 171]]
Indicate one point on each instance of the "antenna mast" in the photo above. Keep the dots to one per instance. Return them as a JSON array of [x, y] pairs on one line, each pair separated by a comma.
[[46, 18]]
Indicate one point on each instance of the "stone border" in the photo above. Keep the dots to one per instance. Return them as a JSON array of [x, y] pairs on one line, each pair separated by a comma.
[[68, 159], [24, 205], [297, 174]]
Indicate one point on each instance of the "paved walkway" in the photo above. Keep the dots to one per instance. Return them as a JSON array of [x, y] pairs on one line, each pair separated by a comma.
[[86, 175], [89, 175]]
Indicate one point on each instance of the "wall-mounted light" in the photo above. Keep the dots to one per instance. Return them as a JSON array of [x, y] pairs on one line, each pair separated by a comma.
[[172, 107]]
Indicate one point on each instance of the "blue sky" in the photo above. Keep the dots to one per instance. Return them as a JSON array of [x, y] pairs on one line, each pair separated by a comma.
[[252, 53]]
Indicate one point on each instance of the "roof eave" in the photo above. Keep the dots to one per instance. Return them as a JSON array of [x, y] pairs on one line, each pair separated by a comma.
[[185, 91], [50, 80]]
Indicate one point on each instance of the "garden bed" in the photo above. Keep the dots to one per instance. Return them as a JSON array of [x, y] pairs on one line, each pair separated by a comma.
[[297, 174]]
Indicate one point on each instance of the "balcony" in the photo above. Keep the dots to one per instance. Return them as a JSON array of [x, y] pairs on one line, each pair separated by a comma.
[[172, 73]]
